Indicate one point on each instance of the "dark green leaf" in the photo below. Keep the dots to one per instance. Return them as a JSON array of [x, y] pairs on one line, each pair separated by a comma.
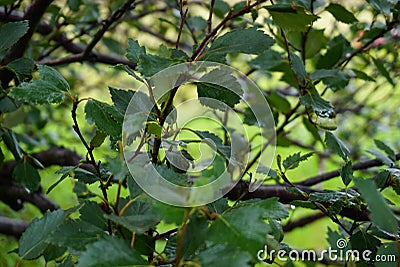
[[383, 6], [1, 156], [272, 208], [382, 157], [34, 240], [53, 252], [363, 76], [26, 175], [334, 78], [334, 53], [11, 142], [314, 100], [312, 129], [10, 33], [383, 70], [38, 92], [129, 71], [291, 17], [337, 145], [121, 98], [134, 50], [197, 23], [346, 173], [170, 214], [298, 66], [292, 161], [209, 87], [52, 76], [216, 256], [106, 118], [381, 215], [98, 139], [218, 206], [266, 60], [84, 176], [248, 41], [221, 8], [362, 241], [340, 13], [279, 102], [215, 142], [22, 67], [110, 252], [196, 231], [382, 146], [385, 251], [93, 214], [381, 179], [151, 64], [134, 189], [118, 168]]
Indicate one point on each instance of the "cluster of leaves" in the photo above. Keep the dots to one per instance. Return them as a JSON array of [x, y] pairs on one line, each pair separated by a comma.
[[127, 231]]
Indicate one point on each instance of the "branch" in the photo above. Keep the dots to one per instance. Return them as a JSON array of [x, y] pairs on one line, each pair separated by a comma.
[[302, 221], [362, 165], [12, 227]]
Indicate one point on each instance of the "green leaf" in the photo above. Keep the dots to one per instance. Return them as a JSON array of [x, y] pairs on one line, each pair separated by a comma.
[[230, 93], [362, 241], [74, 4], [384, 251], [113, 252], [134, 50], [271, 207], [118, 168], [248, 41], [298, 66], [291, 17], [267, 60], [1, 157], [84, 176], [340, 13], [52, 76], [26, 175], [215, 140], [22, 67], [346, 172], [170, 214], [34, 240], [337, 145], [334, 53], [38, 92], [383, 70], [106, 118], [149, 65], [333, 78], [197, 23], [134, 188], [382, 146], [381, 215], [129, 71], [383, 6], [10, 33], [218, 206], [11, 142], [382, 158], [221, 8], [314, 100], [121, 98], [279, 102], [312, 129], [217, 256], [363, 76], [196, 231], [98, 139], [293, 161]]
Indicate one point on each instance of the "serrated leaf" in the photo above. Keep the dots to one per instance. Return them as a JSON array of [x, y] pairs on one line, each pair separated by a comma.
[[341, 14], [134, 50], [298, 66], [34, 240], [149, 65], [121, 98], [248, 41], [218, 206], [195, 235], [346, 172], [118, 168], [291, 17], [129, 71], [106, 118], [216, 256], [209, 87], [114, 252], [93, 214], [267, 60], [381, 215], [314, 100], [10, 33], [38, 92], [382, 146], [337, 145], [272, 208], [293, 161], [52, 76], [26, 175], [333, 78], [98, 139], [22, 67]]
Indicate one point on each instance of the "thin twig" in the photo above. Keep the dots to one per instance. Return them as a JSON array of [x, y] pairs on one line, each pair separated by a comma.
[[209, 21]]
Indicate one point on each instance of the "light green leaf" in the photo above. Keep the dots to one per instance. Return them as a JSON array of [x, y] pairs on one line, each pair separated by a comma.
[[248, 41], [291, 17], [106, 118], [381, 215], [110, 252], [337, 145], [26, 175], [10, 33], [34, 240], [340, 13]]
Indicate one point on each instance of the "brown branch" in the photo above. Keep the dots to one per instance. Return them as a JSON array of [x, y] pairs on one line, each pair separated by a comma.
[[362, 165], [12, 227], [302, 221]]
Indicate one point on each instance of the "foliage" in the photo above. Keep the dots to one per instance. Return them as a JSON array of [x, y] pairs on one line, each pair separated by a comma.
[[327, 70]]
